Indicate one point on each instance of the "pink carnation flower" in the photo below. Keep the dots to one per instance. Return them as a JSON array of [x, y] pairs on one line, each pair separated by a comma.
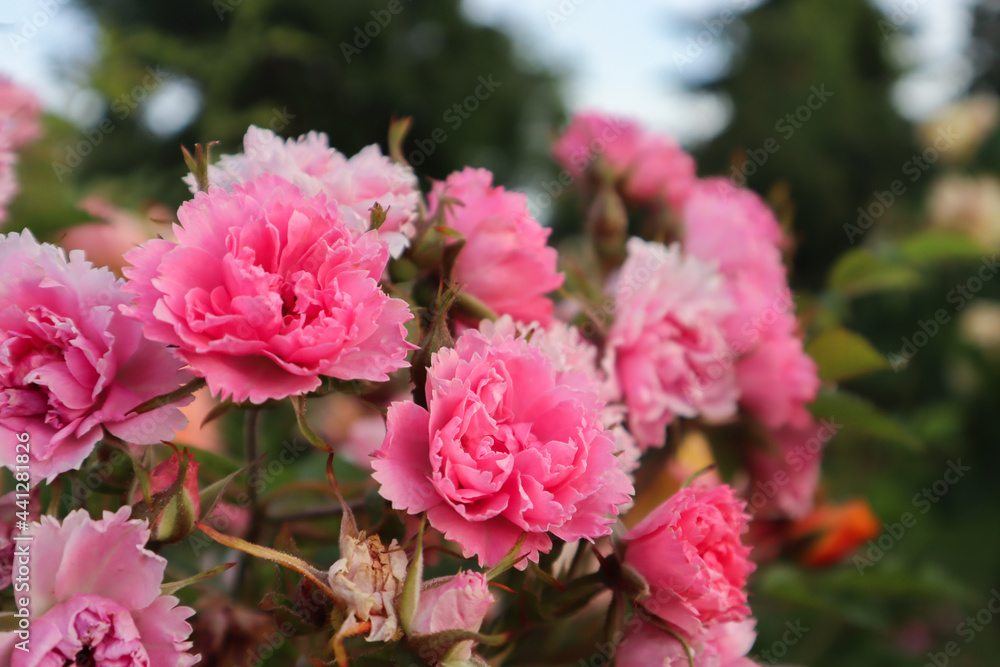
[[71, 363], [503, 450], [309, 163], [666, 348], [778, 379], [689, 551], [95, 598], [268, 289], [575, 361], [459, 602], [736, 229], [651, 169], [19, 111], [716, 645], [505, 262]]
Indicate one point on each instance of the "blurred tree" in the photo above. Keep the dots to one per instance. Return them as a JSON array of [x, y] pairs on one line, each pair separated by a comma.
[[344, 68], [810, 87]]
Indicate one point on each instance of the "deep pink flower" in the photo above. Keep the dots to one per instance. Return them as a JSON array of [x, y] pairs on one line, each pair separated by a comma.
[[19, 112], [312, 166], [735, 228], [716, 645], [175, 520], [504, 450], [505, 261], [459, 602], [70, 362], [650, 168], [666, 348], [575, 361], [95, 593], [689, 551], [266, 290]]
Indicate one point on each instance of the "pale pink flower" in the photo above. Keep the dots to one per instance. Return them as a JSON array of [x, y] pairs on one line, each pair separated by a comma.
[[114, 233], [715, 645], [666, 348], [458, 602], [651, 169], [266, 290], [8, 172], [735, 228], [503, 450], [71, 363], [505, 262], [689, 552], [95, 595], [366, 582], [778, 379], [20, 110], [309, 163]]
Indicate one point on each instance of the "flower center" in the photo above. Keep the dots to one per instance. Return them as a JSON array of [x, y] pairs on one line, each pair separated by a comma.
[[85, 658]]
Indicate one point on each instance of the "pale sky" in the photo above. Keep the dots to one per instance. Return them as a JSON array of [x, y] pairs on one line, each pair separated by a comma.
[[629, 57]]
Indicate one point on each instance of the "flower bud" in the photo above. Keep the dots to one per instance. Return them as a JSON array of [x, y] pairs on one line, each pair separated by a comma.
[[176, 501], [447, 604]]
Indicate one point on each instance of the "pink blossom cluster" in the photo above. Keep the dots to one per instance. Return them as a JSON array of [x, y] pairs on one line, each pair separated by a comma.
[[518, 430], [705, 326]]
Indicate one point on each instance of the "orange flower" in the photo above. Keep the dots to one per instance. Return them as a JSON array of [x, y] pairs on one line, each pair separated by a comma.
[[832, 532]]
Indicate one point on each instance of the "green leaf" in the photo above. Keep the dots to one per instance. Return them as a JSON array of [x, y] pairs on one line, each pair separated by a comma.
[[165, 399], [936, 246], [861, 271], [411, 589], [212, 494], [857, 417], [8, 622], [173, 587], [513, 556], [842, 355], [398, 129]]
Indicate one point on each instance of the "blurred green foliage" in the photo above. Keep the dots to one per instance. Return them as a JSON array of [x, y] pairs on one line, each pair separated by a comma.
[[905, 596], [344, 68]]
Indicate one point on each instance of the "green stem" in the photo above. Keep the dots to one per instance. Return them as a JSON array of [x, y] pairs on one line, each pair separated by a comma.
[[250, 423]]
